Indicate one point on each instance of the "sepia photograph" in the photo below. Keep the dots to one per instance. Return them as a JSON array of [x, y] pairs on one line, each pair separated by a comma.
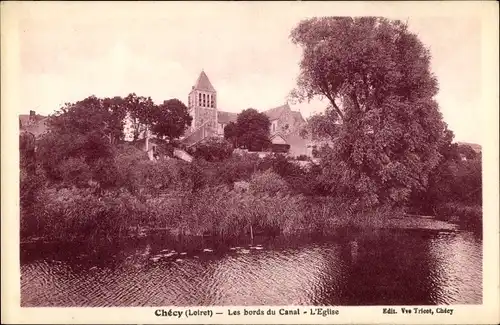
[[239, 154]]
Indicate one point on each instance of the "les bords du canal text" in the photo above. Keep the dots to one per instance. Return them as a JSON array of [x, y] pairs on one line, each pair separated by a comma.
[[324, 312], [247, 312]]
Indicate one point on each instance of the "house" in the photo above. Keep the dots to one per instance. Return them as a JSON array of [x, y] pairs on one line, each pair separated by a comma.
[[33, 123], [209, 120]]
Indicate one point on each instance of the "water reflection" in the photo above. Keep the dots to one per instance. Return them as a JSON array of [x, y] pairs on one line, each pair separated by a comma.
[[273, 277], [380, 269], [456, 262]]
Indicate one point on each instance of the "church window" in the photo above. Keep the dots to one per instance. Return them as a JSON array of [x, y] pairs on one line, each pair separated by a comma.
[[212, 101], [199, 99], [274, 126], [204, 101]]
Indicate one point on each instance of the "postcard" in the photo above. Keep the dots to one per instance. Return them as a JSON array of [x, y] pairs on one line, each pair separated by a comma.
[[250, 162]]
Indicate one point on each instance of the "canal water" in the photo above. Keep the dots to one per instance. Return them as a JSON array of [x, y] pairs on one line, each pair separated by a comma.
[[393, 267]]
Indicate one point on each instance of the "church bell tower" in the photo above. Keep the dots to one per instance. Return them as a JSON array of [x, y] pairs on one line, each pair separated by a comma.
[[202, 104]]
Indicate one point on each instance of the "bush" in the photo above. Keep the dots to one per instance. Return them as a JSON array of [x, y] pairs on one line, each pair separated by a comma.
[[455, 189], [75, 172], [73, 214], [236, 168], [30, 190], [466, 213], [213, 149], [267, 182], [228, 213]]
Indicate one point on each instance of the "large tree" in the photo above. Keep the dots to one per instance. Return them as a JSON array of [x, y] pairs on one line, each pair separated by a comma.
[[252, 129], [383, 118], [170, 120], [231, 133], [140, 111], [81, 139], [92, 114]]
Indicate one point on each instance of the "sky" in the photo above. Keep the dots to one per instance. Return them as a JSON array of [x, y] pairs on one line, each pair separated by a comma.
[[71, 51]]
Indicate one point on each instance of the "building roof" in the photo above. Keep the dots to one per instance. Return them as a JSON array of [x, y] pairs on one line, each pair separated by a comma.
[[203, 83], [275, 113], [25, 119], [298, 117], [278, 134], [36, 126], [226, 117]]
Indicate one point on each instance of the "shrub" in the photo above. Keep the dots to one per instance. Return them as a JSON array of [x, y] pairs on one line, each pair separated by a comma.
[[237, 168], [466, 213], [228, 213], [72, 214], [30, 190], [213, 149], [267, 182], [75, 172]]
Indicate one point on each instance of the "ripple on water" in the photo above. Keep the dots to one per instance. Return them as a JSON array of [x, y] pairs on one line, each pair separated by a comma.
[[449, 266]]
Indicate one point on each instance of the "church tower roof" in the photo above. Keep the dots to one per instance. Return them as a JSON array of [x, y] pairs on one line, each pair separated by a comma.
[[203, 83]]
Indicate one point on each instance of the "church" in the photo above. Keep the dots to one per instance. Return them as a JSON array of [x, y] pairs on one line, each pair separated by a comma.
[[209, 120]]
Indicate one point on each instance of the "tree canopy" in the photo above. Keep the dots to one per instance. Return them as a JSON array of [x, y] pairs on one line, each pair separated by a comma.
[[231, 133], [251, 130], [171, 119], [213, 149], [82, 137], [141, 111], [386, 125]]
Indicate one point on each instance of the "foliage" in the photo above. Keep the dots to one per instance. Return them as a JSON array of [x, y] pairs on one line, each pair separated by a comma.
[[102, 118], [252, 129], [139, 175], [27, 154], [469, 214], [366, 59], [322, 126], [453, 181], [467, 151], [55, 149], [170, 120], [231, 133], [387, 127], [281, 165], [391, 148], [236, 168], [267, 182], [303, 158], [140, 111], [75, 172], [80, 142], [213, 149]]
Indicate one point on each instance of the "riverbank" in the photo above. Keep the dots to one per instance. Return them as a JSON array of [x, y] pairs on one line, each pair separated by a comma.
[[407, 222], [237, 197]]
